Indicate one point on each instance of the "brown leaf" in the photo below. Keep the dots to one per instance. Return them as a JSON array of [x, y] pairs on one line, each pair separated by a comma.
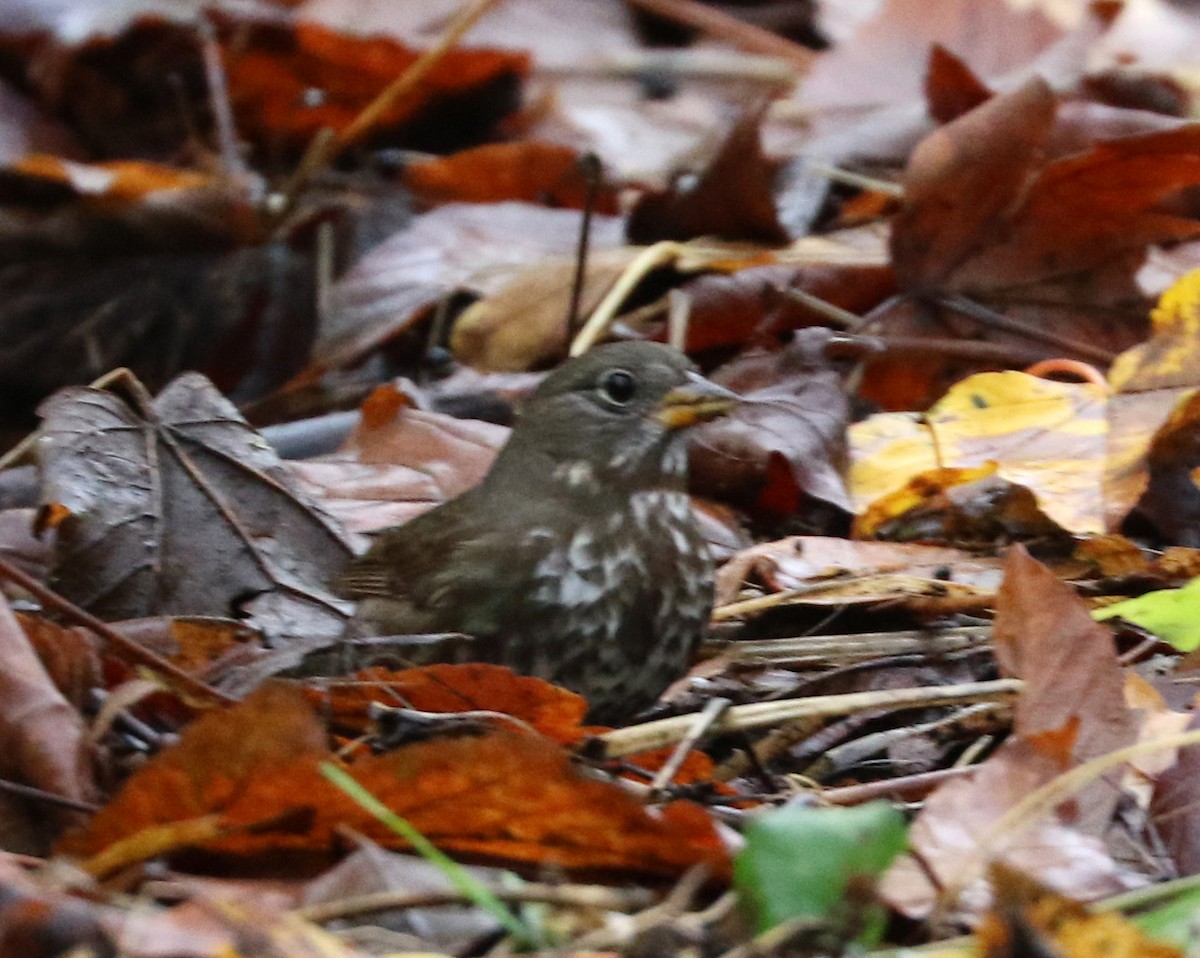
[[70, 656], [752, 304], [732, 199], [1175, 809], [474, 247], [793, 411], [955, 836], [962, 182], [289, 82], [1045, 635], [524, 325], [547, 709], [42, 738], [177, 506], [951, 89], [984, 210], [399, 462]]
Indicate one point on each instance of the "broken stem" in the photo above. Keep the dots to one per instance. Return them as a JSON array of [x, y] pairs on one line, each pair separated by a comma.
[[121, 646]]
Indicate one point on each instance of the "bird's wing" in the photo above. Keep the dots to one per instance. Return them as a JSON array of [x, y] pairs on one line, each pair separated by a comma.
[[403, 559]]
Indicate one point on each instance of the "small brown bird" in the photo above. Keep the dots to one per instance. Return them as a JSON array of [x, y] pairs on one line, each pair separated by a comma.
[[578, 558]]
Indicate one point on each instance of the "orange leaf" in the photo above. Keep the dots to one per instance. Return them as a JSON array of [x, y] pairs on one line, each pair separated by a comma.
[[504, 796], [532, 171], [548, 709]]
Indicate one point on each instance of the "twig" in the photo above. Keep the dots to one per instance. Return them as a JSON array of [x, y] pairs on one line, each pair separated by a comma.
[[857, 180], [649, 259], [1011, 324], [1000, 354], [327, 146], [218, 98], [29, 793], [687, 64], [567, 896], [743, 35], [908, 787], [841, 318], [858, 647], [589, 165], [117, 643], [702, 722], [665, 732]]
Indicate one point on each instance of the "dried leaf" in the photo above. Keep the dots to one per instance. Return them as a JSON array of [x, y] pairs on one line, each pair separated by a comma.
[[178, 507], [732, 199], [793, 412], [530, 171]]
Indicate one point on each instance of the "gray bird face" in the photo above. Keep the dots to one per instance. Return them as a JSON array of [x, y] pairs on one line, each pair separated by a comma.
[[619, 413]]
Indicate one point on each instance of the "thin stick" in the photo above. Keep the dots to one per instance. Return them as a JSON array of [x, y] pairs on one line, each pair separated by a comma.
[[1010, 324], [589, 166], [908, 787], [857, 180], [32, 794], [855, 647], [702, 722], [117, 643], [218, 98], [841, 318], [567, 896], [408, 81], [326, 146], [743, 35], [649, 259], [665, 732]]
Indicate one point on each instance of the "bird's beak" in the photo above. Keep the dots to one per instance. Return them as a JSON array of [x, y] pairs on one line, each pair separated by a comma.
[[696, 401]]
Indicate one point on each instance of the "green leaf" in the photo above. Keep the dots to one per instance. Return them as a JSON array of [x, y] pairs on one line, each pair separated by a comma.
[[820, 864], [1171, 614], [1175, 923]]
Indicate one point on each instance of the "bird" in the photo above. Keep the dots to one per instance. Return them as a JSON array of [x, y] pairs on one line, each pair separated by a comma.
[[578, 558]]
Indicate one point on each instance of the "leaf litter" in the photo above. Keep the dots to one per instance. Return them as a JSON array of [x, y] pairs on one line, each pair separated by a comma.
[[1007, 198]]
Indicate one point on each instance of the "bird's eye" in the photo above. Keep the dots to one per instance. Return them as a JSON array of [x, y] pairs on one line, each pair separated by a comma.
[[618, 386]]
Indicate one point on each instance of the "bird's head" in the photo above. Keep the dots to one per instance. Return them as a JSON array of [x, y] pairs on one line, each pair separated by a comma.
[[617, 414]]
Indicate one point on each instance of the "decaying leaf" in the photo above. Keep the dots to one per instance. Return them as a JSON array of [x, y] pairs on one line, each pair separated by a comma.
[[176, 506]]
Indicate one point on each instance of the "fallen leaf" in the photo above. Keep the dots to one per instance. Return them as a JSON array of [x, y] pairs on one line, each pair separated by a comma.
[[1028, 915], [176, 506], [399, 462], [505, 796], [474, 247], [793, 411], [42, 737], [1045, 635], [1047, 436], [732, 199], [287, 83], [529, 171], [1175, 810]]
